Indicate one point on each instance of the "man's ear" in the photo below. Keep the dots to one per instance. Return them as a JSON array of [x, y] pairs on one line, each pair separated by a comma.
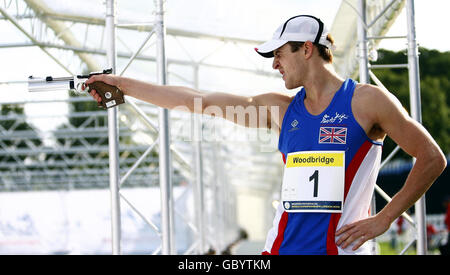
[[308, 49]]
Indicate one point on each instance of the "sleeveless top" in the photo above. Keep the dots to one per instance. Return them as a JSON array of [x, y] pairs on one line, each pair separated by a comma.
[[335, 129]]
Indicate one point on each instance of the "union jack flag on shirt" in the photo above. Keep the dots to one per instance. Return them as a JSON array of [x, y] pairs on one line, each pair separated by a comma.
[[336, 135]]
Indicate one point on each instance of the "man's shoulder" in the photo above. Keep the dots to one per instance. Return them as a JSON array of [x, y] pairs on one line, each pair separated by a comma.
[[367, 104], [368, 95], [375, 105], [274, 99], [367, 91], [373, 96]]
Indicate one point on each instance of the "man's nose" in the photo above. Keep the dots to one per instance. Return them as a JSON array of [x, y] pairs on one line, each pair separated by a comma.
[[275, 63]]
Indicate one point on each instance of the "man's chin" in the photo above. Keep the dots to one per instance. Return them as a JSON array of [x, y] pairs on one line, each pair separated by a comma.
[[290, 86]]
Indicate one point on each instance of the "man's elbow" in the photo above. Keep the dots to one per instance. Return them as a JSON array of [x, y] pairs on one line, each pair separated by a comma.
[[433, 159], [443, 162], [438, 161]]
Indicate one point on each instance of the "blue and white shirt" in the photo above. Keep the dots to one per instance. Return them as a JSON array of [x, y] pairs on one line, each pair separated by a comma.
[[335, 129]]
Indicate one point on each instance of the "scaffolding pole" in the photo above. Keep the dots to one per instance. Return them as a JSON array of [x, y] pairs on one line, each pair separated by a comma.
[[165, 179], [199, 186], [362, 44], [113, 133], [414, 95], [414, 92], [364, 78]]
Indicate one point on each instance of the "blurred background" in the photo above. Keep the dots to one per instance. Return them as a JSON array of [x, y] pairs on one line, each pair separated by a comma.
[[54, 177]]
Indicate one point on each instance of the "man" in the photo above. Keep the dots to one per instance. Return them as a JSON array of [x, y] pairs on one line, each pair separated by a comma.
[[331, 134]]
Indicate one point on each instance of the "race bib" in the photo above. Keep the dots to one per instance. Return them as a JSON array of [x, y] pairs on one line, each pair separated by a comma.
[[313, 181]]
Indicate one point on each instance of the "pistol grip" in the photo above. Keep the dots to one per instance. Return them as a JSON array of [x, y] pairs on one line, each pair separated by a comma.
[[111, 95]]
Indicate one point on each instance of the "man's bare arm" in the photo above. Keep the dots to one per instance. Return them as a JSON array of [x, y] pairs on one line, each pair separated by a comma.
[[387, 113], [415, 140], [254, 112]]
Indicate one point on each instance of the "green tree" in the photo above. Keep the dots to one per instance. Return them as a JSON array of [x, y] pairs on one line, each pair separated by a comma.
[[434, 82], [17, 140]]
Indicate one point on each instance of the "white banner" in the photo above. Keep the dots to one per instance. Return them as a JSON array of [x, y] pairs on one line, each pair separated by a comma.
[[78, 222]]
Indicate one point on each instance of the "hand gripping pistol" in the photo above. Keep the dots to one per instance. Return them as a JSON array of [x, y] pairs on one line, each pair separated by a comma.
[[111, 95]]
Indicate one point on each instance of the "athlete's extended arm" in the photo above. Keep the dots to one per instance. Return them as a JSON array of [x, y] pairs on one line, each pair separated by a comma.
[[414, 139], [251, 112]]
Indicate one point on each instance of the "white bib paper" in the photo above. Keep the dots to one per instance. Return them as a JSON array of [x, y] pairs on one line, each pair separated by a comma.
[[314, 181]]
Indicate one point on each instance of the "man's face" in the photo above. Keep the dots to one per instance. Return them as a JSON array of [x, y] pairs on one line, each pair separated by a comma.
[[290, 66]]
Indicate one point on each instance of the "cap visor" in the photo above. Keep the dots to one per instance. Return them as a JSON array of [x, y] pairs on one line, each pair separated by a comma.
[[266, 49]]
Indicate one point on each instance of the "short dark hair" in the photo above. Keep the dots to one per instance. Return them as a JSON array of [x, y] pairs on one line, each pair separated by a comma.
[[324, 52]]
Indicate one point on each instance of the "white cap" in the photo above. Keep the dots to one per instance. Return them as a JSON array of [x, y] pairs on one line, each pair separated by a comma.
[[300, 28]]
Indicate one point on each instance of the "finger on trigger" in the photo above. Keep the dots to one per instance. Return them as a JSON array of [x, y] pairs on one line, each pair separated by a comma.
[[91, 79]]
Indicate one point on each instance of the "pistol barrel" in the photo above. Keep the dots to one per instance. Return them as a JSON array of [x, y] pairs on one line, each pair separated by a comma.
[[50, 84]]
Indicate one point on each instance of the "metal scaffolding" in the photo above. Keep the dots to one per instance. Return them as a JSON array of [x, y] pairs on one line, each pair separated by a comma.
[[131, 163], [365, 74], [132, 157]]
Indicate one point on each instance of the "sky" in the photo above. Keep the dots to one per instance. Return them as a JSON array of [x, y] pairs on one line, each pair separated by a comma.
[[432, 19]]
